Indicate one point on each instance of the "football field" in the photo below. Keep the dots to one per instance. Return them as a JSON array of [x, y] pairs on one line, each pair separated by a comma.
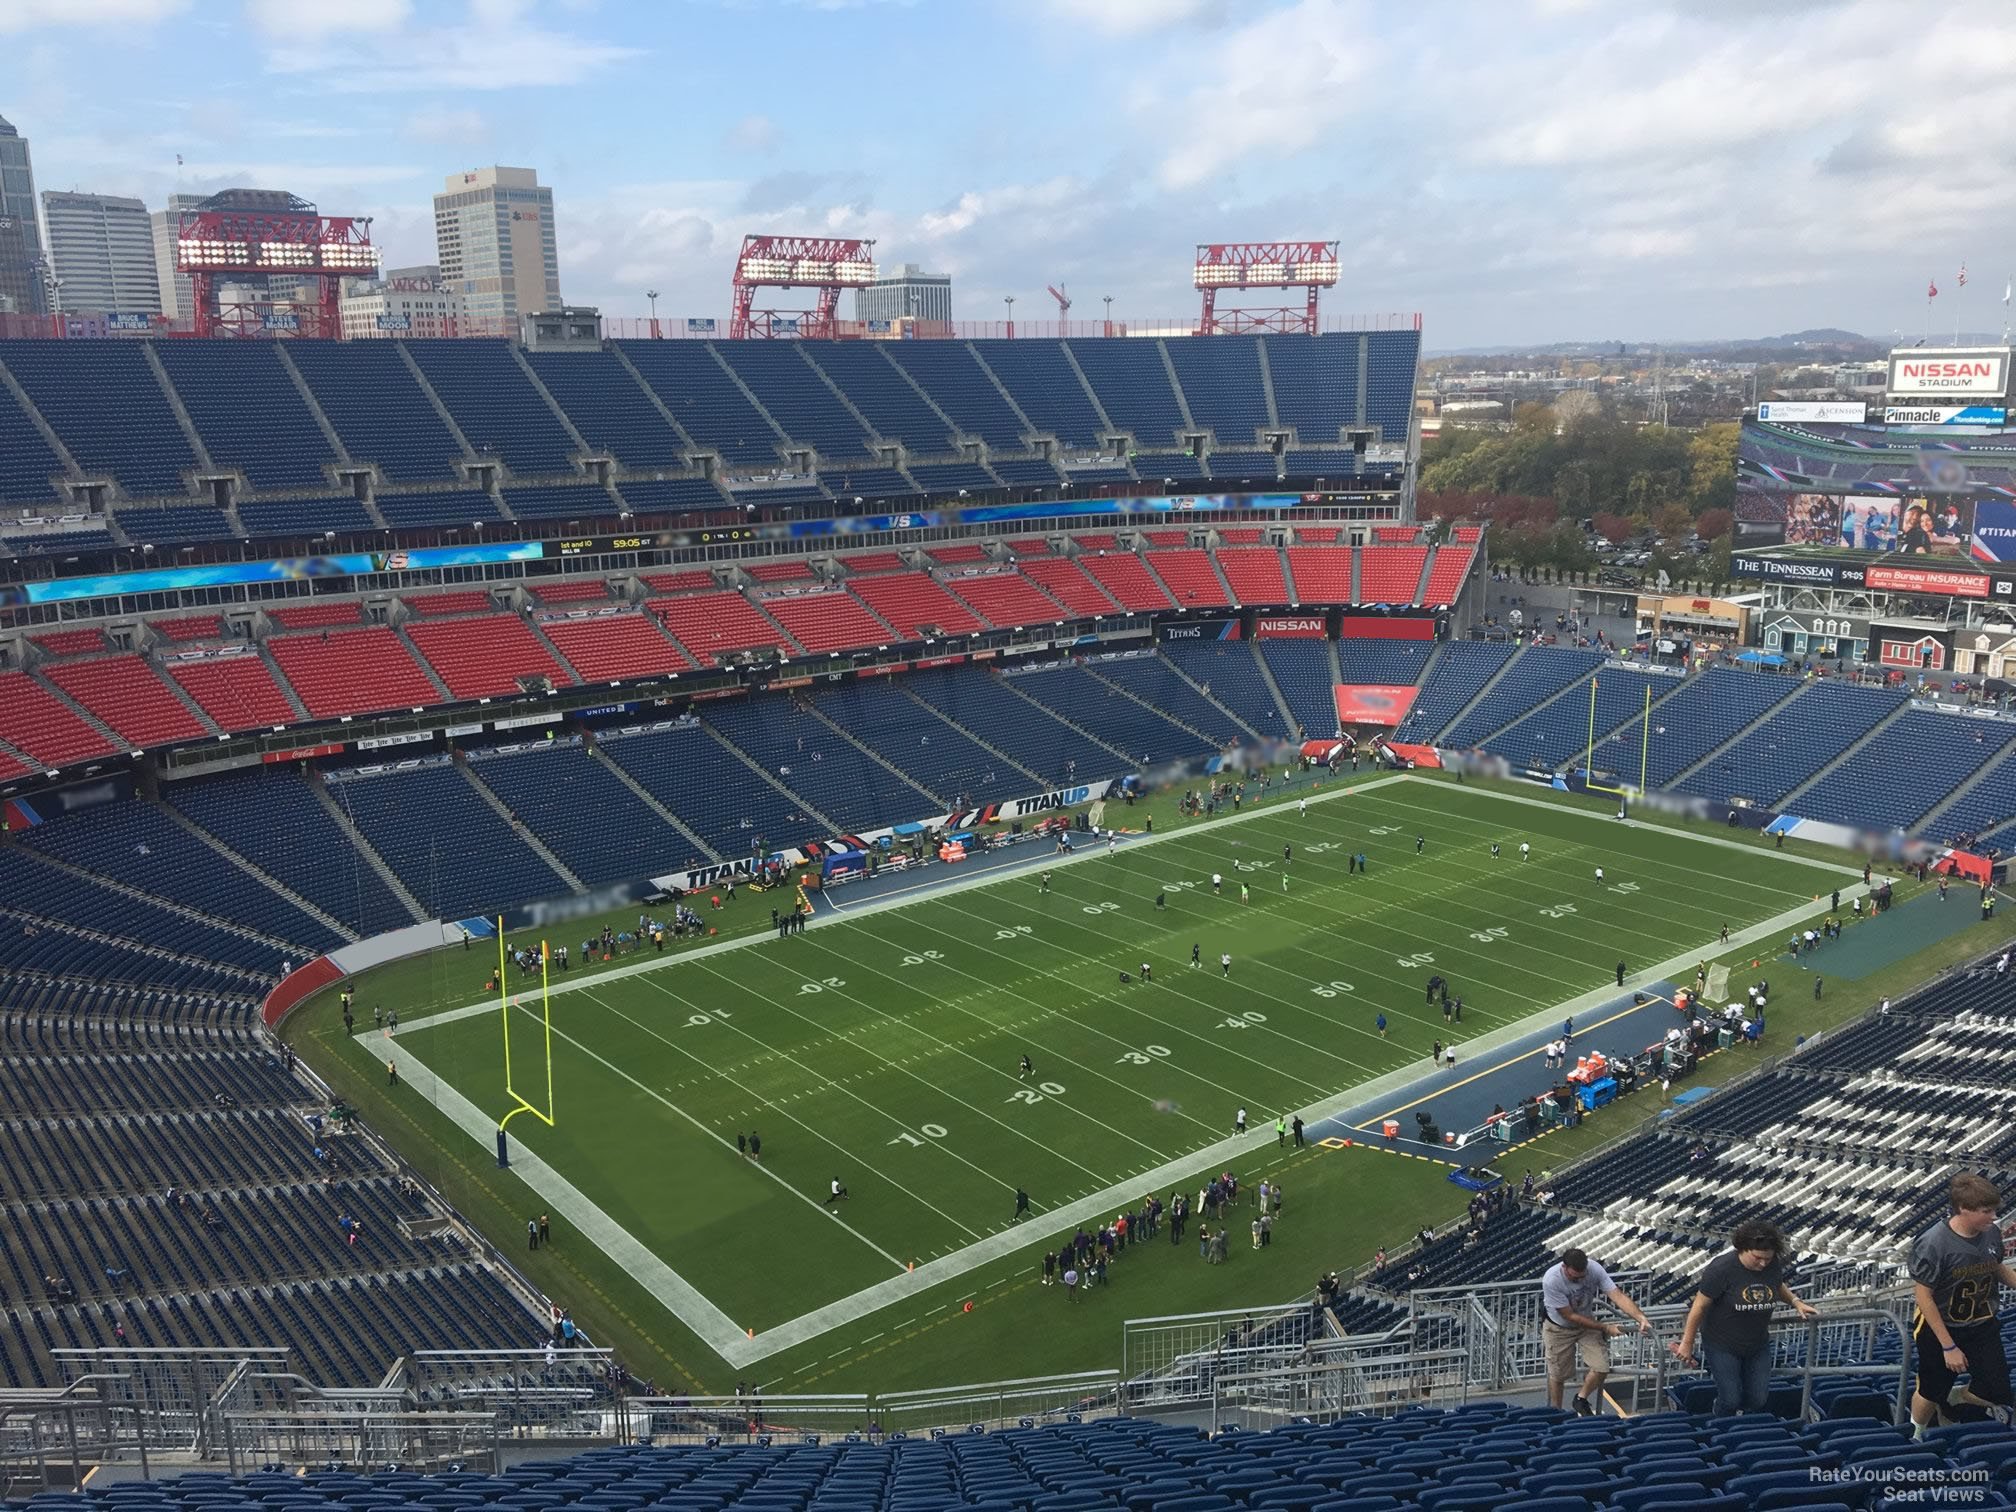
[[883, 1046]]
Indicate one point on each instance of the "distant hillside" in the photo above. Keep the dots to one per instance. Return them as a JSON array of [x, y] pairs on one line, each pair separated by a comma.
[[1793, 346]]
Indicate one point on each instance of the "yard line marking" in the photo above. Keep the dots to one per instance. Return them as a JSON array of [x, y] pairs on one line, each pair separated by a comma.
[[1127, 1002], [1002, 1123], [1002, 1071], [808, 1128]]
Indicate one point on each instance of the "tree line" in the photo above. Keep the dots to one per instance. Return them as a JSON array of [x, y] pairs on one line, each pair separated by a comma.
[[1556, 469]]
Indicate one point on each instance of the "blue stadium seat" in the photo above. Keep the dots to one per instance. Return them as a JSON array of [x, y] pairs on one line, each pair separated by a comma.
[[878, 387], [1133, 388], [1455, 678], [305, 517], [1559, 734], [586, 815], [1539, 673], [446, 844], [1383, 663], [277, 818], [1158, 684], [496, 406], [1912, 765], [707, 402], [103, 400], [1708, 710], [370, 397], [1040, 380], [979, 702], [135, 843], [1316, 384], [611, 410], [1800, 736], [28, 468], [950, 374], [565, 501], [1221, 381], [1098, 707], [791, 390], [837, 778], [932, 753], [1306, 679], [166, 524], [671, 495], [460, 506], [244, 405]]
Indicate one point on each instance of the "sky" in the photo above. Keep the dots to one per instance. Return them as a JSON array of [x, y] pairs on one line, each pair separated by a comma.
[[1517, 171]]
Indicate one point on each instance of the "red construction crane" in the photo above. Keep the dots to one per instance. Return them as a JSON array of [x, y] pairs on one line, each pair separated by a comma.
[[1063, 308], [1310, 265], [826, 263]]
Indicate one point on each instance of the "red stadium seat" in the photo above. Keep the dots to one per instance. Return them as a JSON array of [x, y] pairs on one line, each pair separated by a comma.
[[1064, 580], [238, 692], [1191, 579], [1008, 598], [36, 723], [1322, 574], [831, 621], [1255, 574], [127, 694], [910, 601], [315, 616], [1122, 575], [487, 656], [1391, 574], [613, 646], [352, 672], [1445, 578], [714, 625]]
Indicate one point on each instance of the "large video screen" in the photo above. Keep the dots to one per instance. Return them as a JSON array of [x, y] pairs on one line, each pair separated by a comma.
[[1929, 525]]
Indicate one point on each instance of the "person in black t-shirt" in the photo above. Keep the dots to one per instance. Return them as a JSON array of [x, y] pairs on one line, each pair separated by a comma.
[[1731, 1317]]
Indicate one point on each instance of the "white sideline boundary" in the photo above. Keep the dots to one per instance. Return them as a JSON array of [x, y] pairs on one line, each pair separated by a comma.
[[733, 1342]]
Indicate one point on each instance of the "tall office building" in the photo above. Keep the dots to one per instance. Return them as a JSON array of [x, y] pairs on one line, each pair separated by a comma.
[[101, 249], [20, 239], [177, 300], [911, 294], [493, 229]]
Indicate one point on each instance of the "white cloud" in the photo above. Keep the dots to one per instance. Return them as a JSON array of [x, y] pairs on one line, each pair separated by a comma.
[[1138, 18], [27, 15], [496, 48], [448, 126], [289, 20], [753, 133], [1278, 85]]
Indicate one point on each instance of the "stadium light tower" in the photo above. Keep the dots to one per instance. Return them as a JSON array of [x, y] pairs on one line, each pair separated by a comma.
[[1309, 265], [251, 236], [826, 263]]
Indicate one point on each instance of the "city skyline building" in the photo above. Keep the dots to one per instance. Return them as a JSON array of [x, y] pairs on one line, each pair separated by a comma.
[[177, 288], [403, 303], [494, 236], [907, 294], [101, 251], [21, 287]]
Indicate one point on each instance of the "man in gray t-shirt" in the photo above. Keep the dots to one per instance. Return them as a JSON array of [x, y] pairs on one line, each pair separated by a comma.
[[1571, 1332], [1958, 1270]]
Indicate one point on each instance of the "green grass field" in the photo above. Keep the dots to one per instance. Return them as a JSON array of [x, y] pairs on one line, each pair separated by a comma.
[[882, 1046]]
